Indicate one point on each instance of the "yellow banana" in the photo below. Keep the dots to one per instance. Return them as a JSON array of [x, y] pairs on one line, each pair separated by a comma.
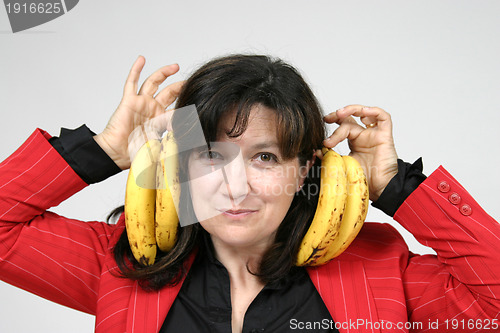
[[355, 211], [167, 194], [326, 222], [140, 202]]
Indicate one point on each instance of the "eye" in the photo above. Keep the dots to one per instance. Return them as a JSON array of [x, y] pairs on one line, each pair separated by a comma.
[[267, 158], [210, 155]]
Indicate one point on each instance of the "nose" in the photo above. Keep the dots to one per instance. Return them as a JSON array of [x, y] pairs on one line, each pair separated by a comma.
[[235, 180]]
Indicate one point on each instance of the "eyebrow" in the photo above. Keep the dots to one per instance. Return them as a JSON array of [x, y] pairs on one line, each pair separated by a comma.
[[265, 144]]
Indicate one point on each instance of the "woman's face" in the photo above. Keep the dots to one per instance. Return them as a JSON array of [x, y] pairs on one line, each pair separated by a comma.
[[242, 188]]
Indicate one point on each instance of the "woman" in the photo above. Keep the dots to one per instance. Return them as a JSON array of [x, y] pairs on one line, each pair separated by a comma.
[[234, 271]]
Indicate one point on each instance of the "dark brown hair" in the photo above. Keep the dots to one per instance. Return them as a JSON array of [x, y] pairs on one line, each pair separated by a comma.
[[236, 83]]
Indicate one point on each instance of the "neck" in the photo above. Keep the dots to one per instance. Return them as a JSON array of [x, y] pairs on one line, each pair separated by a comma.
[[239, 260], [244, 285]]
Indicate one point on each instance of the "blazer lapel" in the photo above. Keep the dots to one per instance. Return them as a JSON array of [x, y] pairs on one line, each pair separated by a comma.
[[148, 309], [344, 288]]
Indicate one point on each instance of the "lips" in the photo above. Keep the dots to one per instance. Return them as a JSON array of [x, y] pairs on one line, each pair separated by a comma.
[[237, 213]]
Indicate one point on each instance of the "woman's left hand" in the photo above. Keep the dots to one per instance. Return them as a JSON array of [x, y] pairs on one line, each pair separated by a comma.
[[371, 145]]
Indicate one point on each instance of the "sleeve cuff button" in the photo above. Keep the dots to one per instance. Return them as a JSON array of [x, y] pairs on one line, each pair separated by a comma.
[[454, 198], [466, 210], [443, 186]]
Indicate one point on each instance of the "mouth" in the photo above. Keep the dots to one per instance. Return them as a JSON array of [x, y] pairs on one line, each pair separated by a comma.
[[237, 213]]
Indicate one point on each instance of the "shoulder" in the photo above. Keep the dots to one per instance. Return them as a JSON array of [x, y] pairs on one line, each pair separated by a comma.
[[378, 250], [377, 241]]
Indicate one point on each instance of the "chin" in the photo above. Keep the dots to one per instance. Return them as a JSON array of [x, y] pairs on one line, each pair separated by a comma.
[[235, 235]]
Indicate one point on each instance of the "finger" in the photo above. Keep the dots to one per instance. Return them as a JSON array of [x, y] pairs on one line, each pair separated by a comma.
[[150, 86], [318, 153], [162, 122], [151, 129], [377, 116], [332, 117], [169, 94], [337, 116], [133, 76], [367, 114], [349, 129]]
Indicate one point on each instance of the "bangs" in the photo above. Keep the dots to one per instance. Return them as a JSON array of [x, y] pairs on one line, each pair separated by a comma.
[[289, 127]]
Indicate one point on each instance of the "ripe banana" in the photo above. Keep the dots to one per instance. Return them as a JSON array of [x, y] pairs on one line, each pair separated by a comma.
[[356, 208], [326, 222], [167, 194], [140, 202]]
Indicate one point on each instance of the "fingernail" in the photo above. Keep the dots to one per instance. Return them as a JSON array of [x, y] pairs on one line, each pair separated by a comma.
[[341, 109]]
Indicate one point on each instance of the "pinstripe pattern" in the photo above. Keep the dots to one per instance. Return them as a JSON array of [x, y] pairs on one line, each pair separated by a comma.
[[377, 279]]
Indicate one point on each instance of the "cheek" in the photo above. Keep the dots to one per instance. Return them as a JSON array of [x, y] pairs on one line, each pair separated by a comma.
[[276, 184], [203, 188], [204, 180]]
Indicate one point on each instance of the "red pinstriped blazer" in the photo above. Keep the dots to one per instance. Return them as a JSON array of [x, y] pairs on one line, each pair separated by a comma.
[[377, 285]]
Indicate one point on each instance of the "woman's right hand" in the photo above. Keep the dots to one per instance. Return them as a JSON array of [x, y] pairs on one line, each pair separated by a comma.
[[140, 114]]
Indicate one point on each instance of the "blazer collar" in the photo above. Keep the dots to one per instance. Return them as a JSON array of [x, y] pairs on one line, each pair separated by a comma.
[[344, 288], [148, 309]]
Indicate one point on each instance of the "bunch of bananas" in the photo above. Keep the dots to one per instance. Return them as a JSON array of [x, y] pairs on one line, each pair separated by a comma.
[[153, 190], [341, 211], [152, 198]]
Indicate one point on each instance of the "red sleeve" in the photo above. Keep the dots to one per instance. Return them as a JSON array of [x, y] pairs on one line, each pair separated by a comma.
[[461, 284], [54, 257]]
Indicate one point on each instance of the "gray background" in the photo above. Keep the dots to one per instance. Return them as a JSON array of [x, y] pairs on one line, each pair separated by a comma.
[[432, 64]]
